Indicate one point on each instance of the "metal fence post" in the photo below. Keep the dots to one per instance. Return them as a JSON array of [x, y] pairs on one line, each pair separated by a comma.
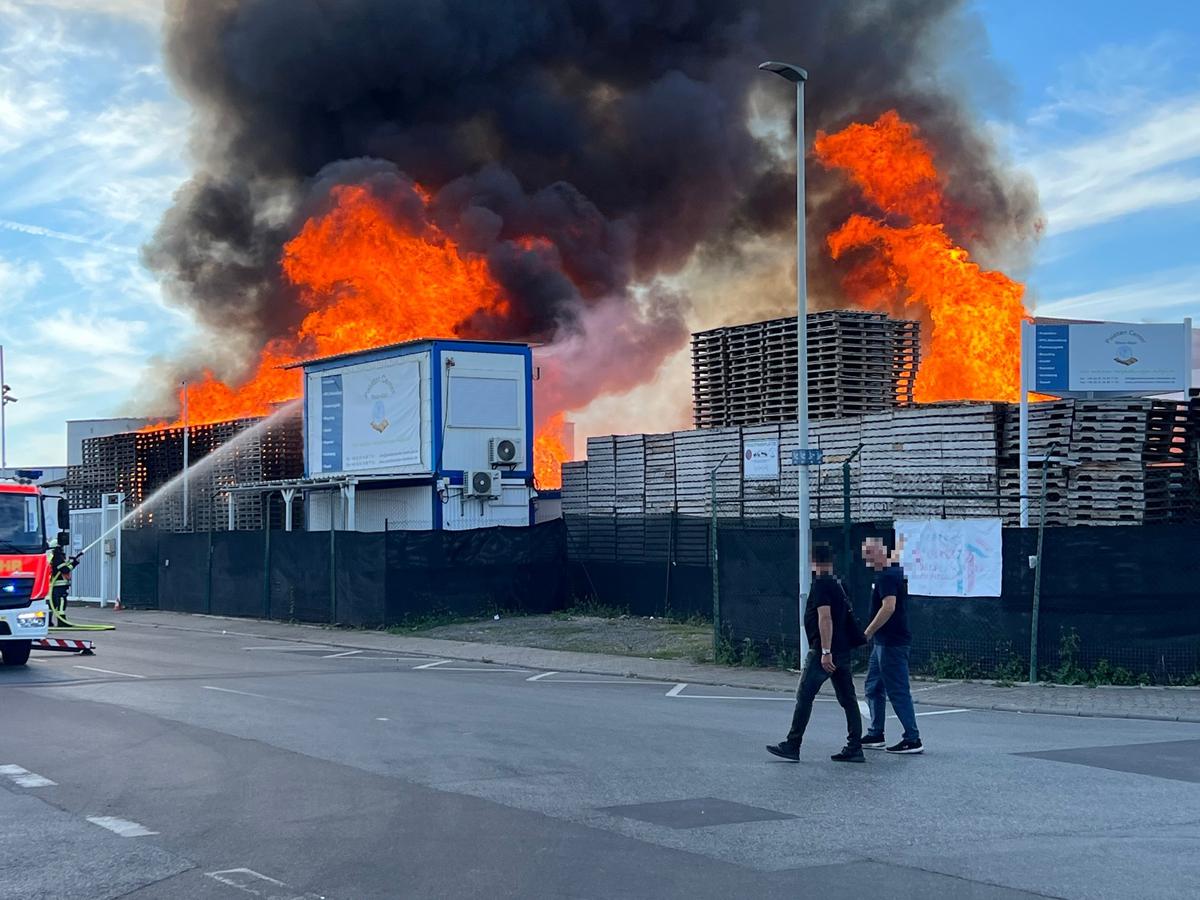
[[332, 567], [712, 561], [267, 558], [1037, 573], [848, 562], [712, 557]]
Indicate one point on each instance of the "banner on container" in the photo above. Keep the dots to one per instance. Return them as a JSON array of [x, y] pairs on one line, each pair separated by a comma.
[[760, 459], [951, 557]]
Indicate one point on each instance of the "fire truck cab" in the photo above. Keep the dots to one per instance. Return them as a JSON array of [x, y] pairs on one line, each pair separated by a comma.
[[25, 574]]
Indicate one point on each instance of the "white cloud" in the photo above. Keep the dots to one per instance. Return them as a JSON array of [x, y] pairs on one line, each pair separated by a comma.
[[1164, 296], [1141, 164], [148, 12], [17, 279]]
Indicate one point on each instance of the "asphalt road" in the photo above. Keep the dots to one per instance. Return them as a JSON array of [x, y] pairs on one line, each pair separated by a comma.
[[191, 763]]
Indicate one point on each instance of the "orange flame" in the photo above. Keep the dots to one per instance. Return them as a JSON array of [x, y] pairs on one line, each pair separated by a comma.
[[550, 452], [368, 283], [973, 352]]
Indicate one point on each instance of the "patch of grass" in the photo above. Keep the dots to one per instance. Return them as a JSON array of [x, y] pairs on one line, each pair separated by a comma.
[[430, 620], [591, 609]]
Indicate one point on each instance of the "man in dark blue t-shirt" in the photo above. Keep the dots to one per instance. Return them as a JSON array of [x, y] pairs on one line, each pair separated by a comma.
[[887, 672]]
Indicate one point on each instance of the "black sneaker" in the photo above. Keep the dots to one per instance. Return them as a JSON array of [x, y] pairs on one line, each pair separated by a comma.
[[907, 746], [873, 742], [849, 755], [784, 750]]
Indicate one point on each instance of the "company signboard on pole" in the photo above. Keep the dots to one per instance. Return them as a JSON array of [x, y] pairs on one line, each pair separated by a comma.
[[1112, 357], [1106, 359]]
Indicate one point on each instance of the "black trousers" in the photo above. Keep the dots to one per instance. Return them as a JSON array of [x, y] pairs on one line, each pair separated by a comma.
[[811, 680]]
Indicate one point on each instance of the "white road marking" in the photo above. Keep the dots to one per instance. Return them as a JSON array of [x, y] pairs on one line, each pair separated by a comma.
[[24, 778], [123, 827], [608, 681], [385, 658], [210, 687], [942, 712], [382, 719], [540, 676], [340, 655], [674, 692], [257, 884], [863, 709], [729, 697], [474, 669], [430, 665], [109, 672]]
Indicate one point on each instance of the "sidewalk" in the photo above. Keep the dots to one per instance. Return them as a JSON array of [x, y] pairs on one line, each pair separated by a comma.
[[1156, 703]]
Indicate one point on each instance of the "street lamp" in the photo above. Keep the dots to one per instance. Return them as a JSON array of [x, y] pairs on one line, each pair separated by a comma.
[[6, 398], [798, 76]]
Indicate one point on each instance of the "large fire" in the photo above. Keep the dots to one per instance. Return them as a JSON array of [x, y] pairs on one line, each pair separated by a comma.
[[368, 281], [973, 352]]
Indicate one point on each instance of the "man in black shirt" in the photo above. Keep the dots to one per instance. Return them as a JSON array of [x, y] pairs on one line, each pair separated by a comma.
[[832, 636], [887, 672]]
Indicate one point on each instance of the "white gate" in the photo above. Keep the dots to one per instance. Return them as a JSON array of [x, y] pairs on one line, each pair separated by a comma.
[[97, 578]]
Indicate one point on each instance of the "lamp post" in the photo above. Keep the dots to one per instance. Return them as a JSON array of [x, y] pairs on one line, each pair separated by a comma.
[[186, 441], [5, 399], [798, 76]]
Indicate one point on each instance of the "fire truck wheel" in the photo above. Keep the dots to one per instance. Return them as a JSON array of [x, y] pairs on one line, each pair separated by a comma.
[[16, 653]]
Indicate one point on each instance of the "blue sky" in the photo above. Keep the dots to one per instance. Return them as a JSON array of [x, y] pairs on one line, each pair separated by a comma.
[[1100, 104]]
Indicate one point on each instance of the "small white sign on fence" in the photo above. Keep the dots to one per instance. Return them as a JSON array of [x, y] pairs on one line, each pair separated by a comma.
[[951, 557], [760, 459]]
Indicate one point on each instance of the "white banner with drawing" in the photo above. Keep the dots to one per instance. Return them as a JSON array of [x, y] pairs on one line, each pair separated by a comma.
[[951, 557]]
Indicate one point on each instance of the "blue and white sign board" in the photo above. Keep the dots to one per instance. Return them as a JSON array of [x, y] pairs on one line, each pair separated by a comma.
[[760, 459], [951, 557], [1111, 357], [813, 456]]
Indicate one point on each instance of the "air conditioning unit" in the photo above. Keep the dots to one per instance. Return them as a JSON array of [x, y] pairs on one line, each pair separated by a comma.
[[483, 484], [504, 452]]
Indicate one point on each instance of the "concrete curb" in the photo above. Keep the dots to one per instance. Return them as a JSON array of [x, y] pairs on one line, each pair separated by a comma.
[[592, 663]]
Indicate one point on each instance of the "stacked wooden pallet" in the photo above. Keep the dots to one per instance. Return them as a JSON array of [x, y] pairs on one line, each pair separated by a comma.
[[931, 460], [601, 497], [138, 464], [857, 362], [1050, 427]]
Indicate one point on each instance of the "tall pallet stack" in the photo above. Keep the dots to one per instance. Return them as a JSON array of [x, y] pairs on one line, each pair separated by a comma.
[[857, 363], [140, 463]]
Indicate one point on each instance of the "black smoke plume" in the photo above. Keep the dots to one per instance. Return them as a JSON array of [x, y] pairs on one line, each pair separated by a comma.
[[621, 131]]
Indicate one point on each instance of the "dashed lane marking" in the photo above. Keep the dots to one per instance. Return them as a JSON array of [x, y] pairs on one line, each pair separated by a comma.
[[342, 654], [123, 827], [942, 712], [540, 676], [257, 884], [24, 778], [211, 687], [434, 664], [109, 672]]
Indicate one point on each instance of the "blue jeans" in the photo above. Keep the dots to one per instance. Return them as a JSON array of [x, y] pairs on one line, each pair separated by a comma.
[[887, 679]]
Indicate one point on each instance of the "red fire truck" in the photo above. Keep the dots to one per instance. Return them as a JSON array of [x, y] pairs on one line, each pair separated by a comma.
[[25, 567]]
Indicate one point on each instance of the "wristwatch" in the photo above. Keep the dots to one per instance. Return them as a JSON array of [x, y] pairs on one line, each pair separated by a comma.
[[826, 652]]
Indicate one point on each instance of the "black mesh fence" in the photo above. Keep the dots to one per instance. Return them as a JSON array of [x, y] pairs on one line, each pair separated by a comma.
[[349, 578], [1111, 596]]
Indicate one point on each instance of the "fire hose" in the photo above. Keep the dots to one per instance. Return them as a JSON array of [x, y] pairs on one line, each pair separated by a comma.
[[57, 607]]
